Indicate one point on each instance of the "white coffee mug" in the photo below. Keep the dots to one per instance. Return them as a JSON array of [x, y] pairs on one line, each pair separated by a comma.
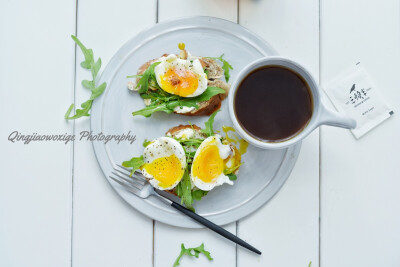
[[321, 114]]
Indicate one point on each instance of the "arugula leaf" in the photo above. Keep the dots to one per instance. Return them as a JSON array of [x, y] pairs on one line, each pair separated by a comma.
[[198, 194], [147, 76], [225, 66], [96, 92], [146, 142], [134, 163], [176, 101], [184, 191], [209, 130], [205, 96], [147, 111], [84, 112], [135, 76], [190, 142], [232, 177], [193, 252], [88, 84], [94, 66]]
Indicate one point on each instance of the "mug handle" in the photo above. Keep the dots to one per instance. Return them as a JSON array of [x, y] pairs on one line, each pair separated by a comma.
[[332, 118]]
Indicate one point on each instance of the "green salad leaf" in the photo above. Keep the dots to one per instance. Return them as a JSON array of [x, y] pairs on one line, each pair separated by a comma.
[[149, 110], [198, 194], [232, 177], [146, 142], [193, 252], [225, 66], [184, 191], [205, 96], [134, 163], [168, 103], [209, 130], [94, 66], [148, 77]]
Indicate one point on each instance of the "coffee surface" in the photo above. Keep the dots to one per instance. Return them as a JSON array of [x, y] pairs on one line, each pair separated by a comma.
[[273, 103]]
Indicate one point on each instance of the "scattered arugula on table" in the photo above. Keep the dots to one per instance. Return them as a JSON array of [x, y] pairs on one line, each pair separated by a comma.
[[193, 252], [94, 66], [225, 66]]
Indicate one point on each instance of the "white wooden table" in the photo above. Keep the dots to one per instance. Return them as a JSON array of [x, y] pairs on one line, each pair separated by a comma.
[[339, 207]]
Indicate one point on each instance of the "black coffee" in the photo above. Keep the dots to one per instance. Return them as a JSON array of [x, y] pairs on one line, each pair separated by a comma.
[[273, 103]]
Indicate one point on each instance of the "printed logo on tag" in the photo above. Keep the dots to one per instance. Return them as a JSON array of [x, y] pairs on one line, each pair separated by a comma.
[[354, 94]]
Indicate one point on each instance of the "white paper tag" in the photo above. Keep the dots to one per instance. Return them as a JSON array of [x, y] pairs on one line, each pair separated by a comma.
[[354, 93]]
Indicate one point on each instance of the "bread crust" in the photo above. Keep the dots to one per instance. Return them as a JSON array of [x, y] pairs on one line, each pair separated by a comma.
[[174, 130]]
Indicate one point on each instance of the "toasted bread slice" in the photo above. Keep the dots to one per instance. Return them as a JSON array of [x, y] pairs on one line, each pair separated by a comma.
[[206, 108]]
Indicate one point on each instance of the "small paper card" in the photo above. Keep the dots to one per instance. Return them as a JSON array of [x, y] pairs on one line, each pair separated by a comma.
[[354, 93]]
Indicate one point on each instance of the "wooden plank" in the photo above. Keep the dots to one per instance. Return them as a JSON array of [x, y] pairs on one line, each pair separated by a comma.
[[172, 9], [107, 232], [168, 239], [286, 229], [360, 178], [36, 78]]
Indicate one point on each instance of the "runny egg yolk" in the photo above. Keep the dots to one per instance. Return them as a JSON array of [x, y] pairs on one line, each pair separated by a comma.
[[166, 170], [208, 165], [179, 81]]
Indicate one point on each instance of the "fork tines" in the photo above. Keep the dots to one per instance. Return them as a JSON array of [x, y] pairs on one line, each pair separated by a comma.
[[132, 183], [138, 173]]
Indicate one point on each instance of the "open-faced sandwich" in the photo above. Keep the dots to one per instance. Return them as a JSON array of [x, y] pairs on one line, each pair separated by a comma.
[[184, 84], [189, 161]]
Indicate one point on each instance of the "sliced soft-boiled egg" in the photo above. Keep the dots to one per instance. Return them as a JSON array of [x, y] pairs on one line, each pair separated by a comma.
[[209, 164], [181, 77], [165, 163]]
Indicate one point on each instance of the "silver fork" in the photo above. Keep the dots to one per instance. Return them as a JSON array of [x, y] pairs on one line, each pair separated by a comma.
[[138, 185]]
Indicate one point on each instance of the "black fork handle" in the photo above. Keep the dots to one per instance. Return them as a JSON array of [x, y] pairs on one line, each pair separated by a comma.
[[214, 227]]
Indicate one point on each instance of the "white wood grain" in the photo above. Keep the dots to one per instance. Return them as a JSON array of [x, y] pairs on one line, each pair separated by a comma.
[[106, 231], [360, 178], [172, 9], [36, 77], [168, 239], [286, 229]]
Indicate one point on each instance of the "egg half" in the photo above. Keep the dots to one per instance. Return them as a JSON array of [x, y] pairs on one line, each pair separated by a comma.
[[165, 163], [208, 164], [180, 76]]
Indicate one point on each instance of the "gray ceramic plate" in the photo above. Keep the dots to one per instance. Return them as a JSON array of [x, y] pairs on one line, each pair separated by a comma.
[[263, 172]]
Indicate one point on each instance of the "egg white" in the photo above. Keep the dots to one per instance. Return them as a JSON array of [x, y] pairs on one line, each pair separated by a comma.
[[160, 148], [224, 152], [172, 61]]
